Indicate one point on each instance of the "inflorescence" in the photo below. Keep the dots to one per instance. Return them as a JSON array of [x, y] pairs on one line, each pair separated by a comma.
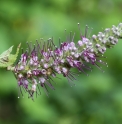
[[41, 62]]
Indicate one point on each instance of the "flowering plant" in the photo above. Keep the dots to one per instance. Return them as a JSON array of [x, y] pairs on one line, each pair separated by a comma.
[[43, 61]]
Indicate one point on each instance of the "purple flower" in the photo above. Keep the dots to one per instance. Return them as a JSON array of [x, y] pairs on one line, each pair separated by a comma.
[[38, 65]]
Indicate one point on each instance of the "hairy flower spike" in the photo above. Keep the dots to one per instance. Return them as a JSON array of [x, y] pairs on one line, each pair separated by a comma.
[[42, 62]]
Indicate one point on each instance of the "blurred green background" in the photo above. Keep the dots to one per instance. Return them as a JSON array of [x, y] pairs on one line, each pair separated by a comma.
[[96, 99]]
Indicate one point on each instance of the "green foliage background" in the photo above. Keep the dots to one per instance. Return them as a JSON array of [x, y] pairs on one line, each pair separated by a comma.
[[96, 99]]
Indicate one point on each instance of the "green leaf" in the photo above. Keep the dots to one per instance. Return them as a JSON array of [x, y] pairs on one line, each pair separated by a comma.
[[8, 59]]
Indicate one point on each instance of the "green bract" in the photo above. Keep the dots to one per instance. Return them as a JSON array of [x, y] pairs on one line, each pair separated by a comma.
[[7, 59]]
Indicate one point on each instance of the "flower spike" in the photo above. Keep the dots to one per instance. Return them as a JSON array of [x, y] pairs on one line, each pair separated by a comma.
[[42, 62]]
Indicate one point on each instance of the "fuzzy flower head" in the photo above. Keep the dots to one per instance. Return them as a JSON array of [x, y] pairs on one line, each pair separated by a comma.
[[41, 63]]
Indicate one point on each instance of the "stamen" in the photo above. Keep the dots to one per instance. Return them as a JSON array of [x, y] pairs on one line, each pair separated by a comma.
[[74, 73], [79, 30], [70, 36], [29, 46], [73, 37], [59, 41], [45, 89], [18, 91], [50, 85], [81, 70], [21, 91], [53, 43], [90, 33], [70, 80], [86, 29], [38, 46]]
